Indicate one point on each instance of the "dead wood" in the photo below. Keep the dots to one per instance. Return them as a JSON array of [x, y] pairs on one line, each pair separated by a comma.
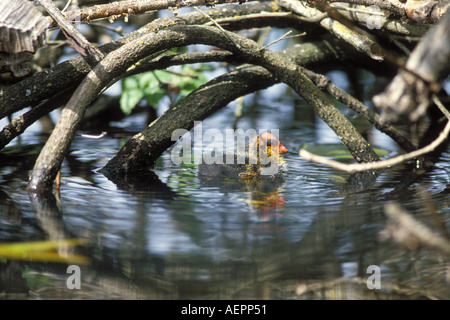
[[409, 94], [22, 31]]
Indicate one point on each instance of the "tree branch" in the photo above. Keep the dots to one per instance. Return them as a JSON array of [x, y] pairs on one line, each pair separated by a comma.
[[381, 14], [360, 167], [141, 151], [408, 96], [214, 95], [46, 84], [51, 156], [362, 42], [79, 42], [134, 7], [325, 83], [22, 122]]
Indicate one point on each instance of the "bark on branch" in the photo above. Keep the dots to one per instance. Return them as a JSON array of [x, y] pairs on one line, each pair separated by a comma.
[[404, 229], [46, 84], [426, 11], [134, 7], [142, 150], [50, 159], [79, 42], [363, 41], [408, 96]]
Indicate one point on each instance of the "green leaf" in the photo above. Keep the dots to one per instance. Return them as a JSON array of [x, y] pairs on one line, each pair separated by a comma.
[[189, 81], [163, 76], [147, 79], [129, 99], [153, 95], [129, 83], [148, 86]]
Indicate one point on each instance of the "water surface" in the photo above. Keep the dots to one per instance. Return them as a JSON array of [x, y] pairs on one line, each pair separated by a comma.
[[170, 235]]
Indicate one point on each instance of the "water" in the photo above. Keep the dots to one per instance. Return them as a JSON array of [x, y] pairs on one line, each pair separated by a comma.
[[171, 235]]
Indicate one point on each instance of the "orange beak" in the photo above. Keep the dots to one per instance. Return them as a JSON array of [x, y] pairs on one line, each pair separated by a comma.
[[281, 148]]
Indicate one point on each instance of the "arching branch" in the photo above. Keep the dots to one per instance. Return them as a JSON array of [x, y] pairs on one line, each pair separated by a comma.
[[128, 8], [46, 84], [408, 95], [51, 157]]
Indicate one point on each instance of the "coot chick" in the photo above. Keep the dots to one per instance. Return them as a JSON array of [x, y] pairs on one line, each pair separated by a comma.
[[260, 159]]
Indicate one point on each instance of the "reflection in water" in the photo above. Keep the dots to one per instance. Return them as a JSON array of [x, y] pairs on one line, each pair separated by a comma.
[[263, 195], [170, 234], [143, 182], [163, 243]]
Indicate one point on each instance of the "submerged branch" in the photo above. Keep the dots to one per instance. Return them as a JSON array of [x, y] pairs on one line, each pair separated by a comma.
[[214, 95], [142, 150], [409, 232], [154, 40]]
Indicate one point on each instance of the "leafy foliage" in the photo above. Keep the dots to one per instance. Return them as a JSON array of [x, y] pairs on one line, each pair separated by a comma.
[[154, 85]]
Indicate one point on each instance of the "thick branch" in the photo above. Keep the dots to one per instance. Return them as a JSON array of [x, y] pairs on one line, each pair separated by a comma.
[[46, 84], [214, 95], [22, 122], [255, 78], [134, 7], [142, 150], [378, 15], [51, 156], [79, 42], [362, 42], [407, 95], [426, 11], [325, 83]]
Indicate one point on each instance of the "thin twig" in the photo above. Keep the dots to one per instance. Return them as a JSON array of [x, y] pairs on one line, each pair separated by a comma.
[[441, 107], [325, 83], [277, 40], [118, 30], [66, 6], [92, 54], [91, 136], [283, 37], [360, 167], [222, 30]]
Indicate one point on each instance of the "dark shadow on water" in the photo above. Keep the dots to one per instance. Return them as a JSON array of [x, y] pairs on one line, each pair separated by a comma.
[[185, 237], [264, 193], [145, 181]]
